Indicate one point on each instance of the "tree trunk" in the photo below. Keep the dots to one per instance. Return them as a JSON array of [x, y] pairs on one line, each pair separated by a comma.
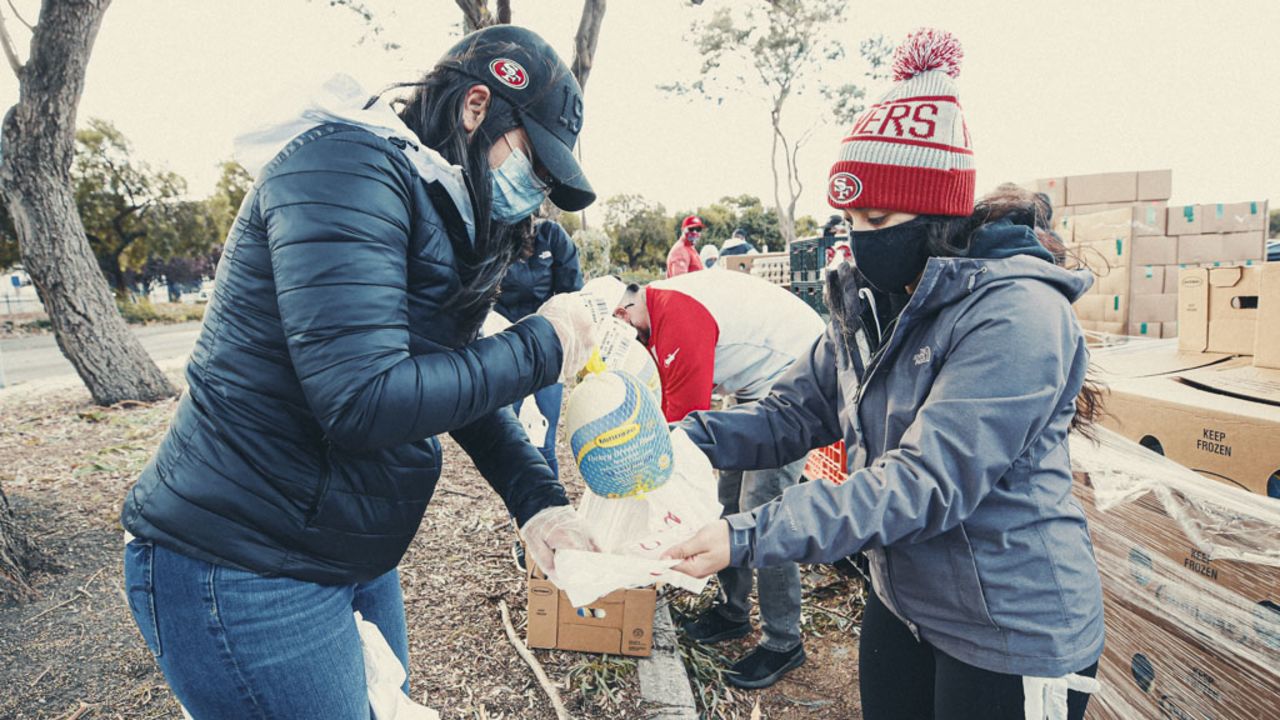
[[584, 43], [19, 558], [39, 143]]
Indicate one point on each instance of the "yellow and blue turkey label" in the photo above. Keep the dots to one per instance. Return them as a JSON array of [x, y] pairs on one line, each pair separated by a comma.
[[626, 451]]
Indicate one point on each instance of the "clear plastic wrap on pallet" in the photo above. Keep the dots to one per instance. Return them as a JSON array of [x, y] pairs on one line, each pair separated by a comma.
[[1190, 572]]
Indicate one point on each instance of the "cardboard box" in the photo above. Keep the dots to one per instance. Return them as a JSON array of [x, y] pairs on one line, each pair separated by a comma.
[[1143, 329], [1171, 278], [1112, 280], [1115, 309], [1147, 280], [1235, 217], [1169, 329], [1102, 188], [1150, 218], [1216, 415], [1144, 524], [739, 263], [1055, 188], [1063, 223], [1153, 308], [1089, 307], [1266, 344], [1218, 309], [1110, 328], [1108, 226], [1196, 249], [1155, 184], [1183, 220], [1154, 250], [1188, 635], [1093, 208], [620, 623], [1244, 246]]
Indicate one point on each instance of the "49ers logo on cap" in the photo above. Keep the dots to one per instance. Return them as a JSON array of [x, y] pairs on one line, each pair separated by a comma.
[[844, 187], [509, 73]]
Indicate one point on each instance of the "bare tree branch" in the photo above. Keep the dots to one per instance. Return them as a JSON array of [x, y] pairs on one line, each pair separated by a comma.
[[27, 25], [10, 54], [475, 13]]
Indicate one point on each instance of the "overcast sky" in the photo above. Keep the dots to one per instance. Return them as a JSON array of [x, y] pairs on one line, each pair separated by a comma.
[[1049, 88]]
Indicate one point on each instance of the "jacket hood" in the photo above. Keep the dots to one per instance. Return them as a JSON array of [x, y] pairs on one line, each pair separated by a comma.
[[341, 99], [1003, 238]]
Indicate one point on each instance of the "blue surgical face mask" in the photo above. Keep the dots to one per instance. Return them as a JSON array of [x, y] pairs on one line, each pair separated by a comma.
[[517, 191]]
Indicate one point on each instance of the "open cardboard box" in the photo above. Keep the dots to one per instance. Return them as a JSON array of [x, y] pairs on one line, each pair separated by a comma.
[[620, 623], [1217, 415], [1218, 309]]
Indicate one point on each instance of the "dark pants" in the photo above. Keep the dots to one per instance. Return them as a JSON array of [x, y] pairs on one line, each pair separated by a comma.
[[778, 586], [902, 678]]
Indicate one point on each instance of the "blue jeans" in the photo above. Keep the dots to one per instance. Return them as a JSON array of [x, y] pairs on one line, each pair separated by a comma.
[[779, 586], [235, 644], [548, 402]]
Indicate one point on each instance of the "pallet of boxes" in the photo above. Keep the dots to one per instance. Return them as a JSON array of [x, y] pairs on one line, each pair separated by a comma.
[[1188, 544], [1121, 227]]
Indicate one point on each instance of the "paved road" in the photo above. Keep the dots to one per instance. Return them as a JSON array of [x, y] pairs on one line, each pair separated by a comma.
[[37, 357]]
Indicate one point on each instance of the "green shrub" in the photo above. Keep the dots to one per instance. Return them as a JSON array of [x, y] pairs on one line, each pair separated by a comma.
[[139, 312]]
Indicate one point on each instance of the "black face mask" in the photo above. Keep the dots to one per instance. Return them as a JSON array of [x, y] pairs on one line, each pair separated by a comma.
[[891, 258]]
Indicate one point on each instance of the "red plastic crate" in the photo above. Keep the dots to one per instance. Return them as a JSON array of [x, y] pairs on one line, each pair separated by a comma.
[[827, 463]]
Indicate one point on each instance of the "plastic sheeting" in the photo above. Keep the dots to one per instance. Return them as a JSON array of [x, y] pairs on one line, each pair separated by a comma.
[[1190, 571], [633, 532]]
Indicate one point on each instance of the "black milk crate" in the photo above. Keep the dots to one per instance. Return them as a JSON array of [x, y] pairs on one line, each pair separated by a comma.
[[811, 294]]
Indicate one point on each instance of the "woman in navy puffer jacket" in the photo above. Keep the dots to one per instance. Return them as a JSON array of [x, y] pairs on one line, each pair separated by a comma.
[[339, 342]]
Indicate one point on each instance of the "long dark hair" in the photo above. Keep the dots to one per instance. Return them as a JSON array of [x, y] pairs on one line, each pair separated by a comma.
[[434, 113], [950, 237]]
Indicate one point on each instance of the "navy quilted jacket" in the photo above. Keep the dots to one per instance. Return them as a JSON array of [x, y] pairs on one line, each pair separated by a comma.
[[553, 269], [305, 445]]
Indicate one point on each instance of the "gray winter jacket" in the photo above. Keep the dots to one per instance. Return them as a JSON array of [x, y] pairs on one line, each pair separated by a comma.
[[960, 481]]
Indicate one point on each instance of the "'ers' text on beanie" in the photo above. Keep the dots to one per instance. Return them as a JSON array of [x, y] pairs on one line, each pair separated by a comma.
[[911, 152]]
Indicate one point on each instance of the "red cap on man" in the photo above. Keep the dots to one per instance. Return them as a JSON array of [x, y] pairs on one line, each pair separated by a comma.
[[691, 222]]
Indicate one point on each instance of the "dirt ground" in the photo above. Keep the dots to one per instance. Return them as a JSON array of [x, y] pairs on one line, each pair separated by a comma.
[[75, 654]]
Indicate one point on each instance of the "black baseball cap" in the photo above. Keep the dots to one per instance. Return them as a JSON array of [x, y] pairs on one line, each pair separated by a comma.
[[522, 69]]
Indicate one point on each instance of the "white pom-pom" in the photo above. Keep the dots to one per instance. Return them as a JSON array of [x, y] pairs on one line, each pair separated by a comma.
[[927, 49]]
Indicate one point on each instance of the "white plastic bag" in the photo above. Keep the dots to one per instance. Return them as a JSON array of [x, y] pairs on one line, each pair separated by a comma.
[[634, 532], [383, 674]]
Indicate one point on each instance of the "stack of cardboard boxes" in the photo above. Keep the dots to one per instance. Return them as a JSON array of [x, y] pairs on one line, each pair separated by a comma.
[[1121, 227], [1191, 569]]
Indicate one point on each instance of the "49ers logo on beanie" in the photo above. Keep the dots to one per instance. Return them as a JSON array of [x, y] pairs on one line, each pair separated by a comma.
[[911, 152], [509, 73], [844, 187]]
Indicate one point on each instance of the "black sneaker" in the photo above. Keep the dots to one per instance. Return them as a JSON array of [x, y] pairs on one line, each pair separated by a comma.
[[712, 627], [517, 554], [762, 667]]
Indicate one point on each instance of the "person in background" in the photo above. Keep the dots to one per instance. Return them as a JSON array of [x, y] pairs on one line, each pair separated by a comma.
[[737, 244], [546, 265], [683, 256], [986, 599], [734, 334], [709, 254], [341, 339]]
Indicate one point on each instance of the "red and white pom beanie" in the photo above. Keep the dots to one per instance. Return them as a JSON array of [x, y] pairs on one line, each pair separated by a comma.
[[910, 152]]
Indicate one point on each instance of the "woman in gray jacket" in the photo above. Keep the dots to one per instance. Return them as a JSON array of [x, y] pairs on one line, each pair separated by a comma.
[[955, 409]]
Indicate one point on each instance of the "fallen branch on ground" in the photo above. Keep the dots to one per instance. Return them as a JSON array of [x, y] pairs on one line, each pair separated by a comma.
[[533, 664]]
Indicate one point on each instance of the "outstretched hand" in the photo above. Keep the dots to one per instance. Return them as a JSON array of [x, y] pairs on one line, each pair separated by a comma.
[[555, 528], [704, 553]]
